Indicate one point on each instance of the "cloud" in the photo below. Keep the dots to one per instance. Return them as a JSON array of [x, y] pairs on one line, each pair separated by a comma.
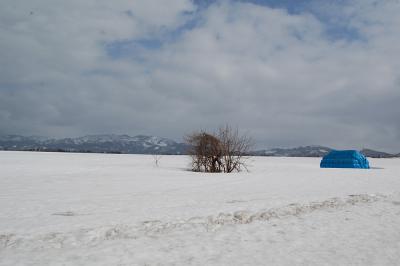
[[286, 78], [55, 68]]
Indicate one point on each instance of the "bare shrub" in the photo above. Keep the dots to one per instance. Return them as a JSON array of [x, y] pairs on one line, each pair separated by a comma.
[[206, 152], [222, 152], [156, 158], [235, 149]]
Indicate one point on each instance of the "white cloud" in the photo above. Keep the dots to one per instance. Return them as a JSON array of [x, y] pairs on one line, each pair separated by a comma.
[[277, 75]]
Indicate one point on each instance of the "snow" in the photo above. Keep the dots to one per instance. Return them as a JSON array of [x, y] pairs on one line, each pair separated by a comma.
[[103, 138], [112, 209]]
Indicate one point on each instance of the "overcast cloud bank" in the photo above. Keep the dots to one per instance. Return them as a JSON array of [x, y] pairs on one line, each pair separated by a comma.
[[325, 74]]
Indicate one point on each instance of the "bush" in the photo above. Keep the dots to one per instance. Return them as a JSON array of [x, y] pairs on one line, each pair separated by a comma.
[[222, 152]]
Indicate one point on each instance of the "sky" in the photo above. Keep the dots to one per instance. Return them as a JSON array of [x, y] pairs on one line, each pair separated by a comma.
[[287, 73]]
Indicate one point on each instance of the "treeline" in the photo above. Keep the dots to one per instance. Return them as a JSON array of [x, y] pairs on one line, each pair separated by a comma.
[[61, 150]]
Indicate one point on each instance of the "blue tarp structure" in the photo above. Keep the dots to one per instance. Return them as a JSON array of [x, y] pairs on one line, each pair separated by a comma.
[[344, 159]]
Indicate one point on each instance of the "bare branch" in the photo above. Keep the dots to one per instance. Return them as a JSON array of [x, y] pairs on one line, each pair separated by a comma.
[[156, 158], [225, 152]]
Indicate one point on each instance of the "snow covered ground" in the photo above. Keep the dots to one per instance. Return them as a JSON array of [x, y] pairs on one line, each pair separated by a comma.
[[103, 209]]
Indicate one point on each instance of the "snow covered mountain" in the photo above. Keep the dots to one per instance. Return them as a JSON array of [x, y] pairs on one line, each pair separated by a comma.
[[306, 151], [141, 144], [108, 143], [378, 154], [315, 151]]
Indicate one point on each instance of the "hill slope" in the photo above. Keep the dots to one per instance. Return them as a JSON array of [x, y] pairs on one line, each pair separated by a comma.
[[110, 143], [141, 144]]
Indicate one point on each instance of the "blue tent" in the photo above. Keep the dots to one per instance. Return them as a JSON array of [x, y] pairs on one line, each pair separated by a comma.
[[344, 159]]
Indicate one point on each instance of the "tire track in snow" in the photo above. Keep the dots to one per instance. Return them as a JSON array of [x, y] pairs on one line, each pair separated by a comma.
[[95, 236]]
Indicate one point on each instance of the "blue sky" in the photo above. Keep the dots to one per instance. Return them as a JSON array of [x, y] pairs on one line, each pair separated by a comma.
[[334, 29]]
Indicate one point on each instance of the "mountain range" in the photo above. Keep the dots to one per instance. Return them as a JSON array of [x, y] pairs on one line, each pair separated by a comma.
[[141, 144], [315, 151], [107, 143]]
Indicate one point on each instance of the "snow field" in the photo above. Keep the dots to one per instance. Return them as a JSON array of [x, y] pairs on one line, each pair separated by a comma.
[[100, 209]]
